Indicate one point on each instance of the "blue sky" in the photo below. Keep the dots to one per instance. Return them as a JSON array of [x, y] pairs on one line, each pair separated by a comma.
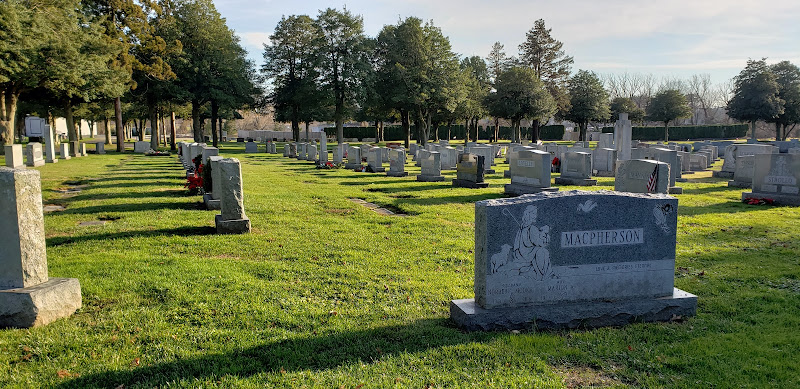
[[666, 38]]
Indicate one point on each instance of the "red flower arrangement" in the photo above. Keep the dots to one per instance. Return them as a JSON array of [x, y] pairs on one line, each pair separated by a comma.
[[757, 201], [194, 181]]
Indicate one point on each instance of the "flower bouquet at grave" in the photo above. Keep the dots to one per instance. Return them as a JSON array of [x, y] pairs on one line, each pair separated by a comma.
[[194, 182], [328, 165], [556, 165], [757, 201], [156, 153]]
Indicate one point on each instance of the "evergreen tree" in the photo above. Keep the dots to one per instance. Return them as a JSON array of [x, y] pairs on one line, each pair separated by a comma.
[[787, 75], [755, 95], [588, 100], [667, 106]]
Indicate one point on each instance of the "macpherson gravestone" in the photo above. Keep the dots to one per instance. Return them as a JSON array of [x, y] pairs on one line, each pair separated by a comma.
[[571, 259], [28, 296]]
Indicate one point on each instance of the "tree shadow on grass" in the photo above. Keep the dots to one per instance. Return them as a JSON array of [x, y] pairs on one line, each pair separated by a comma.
[[728, 207], [711, 189], [180, 231], [316, 353], [466, 199], [129, 195]]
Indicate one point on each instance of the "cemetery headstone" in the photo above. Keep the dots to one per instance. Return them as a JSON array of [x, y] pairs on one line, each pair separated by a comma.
[[311, 153], [64, 151], [212, 199], [571, 259], [431, 166], [530, 173], [623, 131], [576, 169], [397, 163], [232, 219], [33, 154], [642, 176], [470, 171], [141, 147], [250, 147], [374, 163], [736, 150], [13, 155], [49, 146], [353, 158], [604, 162], [100, 147], [776, 177], [743, 176], [28, 296]]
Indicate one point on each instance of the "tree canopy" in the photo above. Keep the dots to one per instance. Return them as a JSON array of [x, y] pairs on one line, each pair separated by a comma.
[[667, 106], [755, 95], [588, 100]]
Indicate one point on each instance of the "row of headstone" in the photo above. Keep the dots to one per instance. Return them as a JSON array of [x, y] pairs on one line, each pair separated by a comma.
[[35, 155]]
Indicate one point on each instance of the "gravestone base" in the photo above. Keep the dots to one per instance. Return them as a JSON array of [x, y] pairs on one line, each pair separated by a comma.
[[722, 174], [575, 181], [519, 190], [374, 169], [352, 166], [681, 180], [604, 173], [36, 163], [739, 184], [397, 174], [779, 199], [41, 304], [211, 204], [427, 178], [675, 190], [469, 184], [584, 314], [236, 226]]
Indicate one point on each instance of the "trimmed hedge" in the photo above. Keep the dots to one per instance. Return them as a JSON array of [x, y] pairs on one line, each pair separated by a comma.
[[687, 132], [458, 131]]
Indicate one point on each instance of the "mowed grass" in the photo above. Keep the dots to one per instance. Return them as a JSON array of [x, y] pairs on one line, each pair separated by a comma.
[[327, 293]]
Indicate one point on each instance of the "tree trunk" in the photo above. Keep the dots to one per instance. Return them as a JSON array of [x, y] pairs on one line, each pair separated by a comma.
[[152, 113], [214, 113], [308, 135], [753, 130], [295, 123], [71, 133], [535, 130], [666, 131], [582, 134], [197, 131], [8, 114], [777, 131], [220, 129], [406, 123], [339, 116], [106, 131], [118, 125], [172, 131]]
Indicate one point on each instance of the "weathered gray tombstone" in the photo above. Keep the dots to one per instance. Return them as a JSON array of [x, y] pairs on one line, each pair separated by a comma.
[[530, 173], [13, 155], [292, 150], [397, 163], [75, 149], [286, 150], [99, 147], [698, 162], [28, 297], [794, 150], [33, 155], [64, 151], [576, 169], [212, 199], [743, 176], [735, 151], [488, 155], [338, 153], [250, 147], [606, 141], [431, 166], [511, 156], [323, 149], [209, 152], [642, 176], [604, 162], [82, 148], [670, 157], [311, 153], [449, 157], [49, 146], [571, 259], [302, 151], [470, 171], [232, 219], [353, 158], [374, 160], [622, 137], [141, 147], [776, 177]]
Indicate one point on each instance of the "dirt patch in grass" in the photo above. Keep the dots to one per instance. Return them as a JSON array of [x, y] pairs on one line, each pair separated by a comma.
[[586, 377]]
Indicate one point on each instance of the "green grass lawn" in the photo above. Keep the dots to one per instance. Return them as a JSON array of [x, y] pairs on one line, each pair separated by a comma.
[[327, 293]]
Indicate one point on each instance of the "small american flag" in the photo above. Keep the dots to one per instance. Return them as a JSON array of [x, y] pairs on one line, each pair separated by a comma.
[[651, 183]]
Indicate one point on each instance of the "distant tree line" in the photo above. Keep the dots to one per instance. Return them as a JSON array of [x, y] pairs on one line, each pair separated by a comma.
[[121, 60], [327, 69]]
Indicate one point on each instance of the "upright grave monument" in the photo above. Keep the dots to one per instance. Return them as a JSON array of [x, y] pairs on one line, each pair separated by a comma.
[[642, 176], [33, 154], [743, 175], [776, 177], [470, 171], [623, 130], [576, 169], [28, 297], [397, 163], [13, 155], [571, 259], [212, 200], [232, 219], [431, 166], [530, 173]]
